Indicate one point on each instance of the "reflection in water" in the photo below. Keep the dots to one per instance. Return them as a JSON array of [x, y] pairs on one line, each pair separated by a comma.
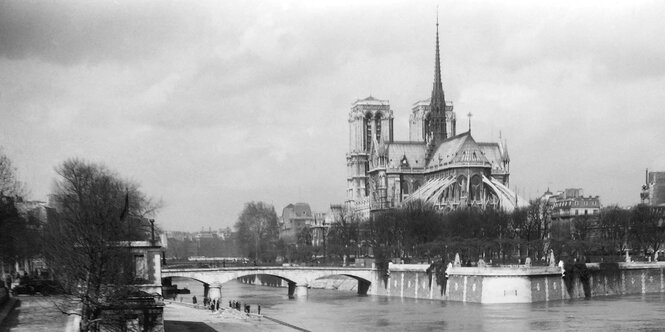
[[328, 310]]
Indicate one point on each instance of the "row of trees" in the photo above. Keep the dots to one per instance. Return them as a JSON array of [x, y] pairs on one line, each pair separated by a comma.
[[92, 212], [418, 232]]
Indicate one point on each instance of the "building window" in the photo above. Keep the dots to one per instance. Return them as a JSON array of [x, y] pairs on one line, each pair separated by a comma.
[[140, 267]]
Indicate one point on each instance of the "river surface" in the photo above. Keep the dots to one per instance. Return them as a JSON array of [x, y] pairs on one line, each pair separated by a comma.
[[330, 310]]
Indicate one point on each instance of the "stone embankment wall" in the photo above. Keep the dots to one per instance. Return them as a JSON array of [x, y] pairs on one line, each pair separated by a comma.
[[506, 284], [408, 280], [520, 284]]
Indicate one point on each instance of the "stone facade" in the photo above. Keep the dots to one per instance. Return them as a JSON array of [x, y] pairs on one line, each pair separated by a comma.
[[572, 203]]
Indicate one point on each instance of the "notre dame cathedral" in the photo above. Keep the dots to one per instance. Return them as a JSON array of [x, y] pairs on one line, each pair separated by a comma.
[[436, 165]]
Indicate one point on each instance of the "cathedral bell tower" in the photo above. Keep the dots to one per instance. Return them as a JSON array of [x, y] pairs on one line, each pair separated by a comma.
[[435, 120], [370, 122]]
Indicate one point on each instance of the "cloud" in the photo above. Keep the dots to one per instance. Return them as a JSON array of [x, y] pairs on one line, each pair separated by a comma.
[[212, 104], [72, 32]]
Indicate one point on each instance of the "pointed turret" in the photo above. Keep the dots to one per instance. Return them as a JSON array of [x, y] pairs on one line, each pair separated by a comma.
[[506, 156]]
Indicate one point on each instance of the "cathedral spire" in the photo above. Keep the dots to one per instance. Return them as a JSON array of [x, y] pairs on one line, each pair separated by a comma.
[[437, 124], [437, 89]]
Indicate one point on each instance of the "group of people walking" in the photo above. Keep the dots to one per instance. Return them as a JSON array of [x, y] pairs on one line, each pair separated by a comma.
[[213, 304], [233, 304]]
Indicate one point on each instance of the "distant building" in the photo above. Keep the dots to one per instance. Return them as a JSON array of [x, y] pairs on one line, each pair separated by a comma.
[[180, 236], [209, 234], [571, 203], [653, 191], [295, 218]]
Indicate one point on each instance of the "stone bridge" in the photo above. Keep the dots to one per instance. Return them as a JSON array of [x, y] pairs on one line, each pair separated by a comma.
[[298, 278]]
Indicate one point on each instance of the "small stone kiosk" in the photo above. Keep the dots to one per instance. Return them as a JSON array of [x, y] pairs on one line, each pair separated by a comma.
[[140, 306]]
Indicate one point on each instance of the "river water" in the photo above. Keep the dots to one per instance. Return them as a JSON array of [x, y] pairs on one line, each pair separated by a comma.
[[330, 310]]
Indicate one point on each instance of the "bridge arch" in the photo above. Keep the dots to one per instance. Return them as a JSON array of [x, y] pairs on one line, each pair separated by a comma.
[[169, 290], [363, 283]]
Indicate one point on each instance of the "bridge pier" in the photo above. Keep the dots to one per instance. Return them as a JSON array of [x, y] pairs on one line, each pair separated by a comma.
[[363, 286], [214, 291], [297, 291]]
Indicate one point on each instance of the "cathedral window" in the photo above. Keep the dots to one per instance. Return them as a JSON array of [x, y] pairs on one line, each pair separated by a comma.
[[368, 131], [378, 129]]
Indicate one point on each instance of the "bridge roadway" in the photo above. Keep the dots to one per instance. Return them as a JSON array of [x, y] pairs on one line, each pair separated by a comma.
[[298, 278]]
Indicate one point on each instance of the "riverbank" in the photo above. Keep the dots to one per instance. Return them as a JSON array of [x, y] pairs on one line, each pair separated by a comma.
[[186, 317]]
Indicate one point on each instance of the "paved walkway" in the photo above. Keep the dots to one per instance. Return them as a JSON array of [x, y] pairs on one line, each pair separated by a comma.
[[184, 318], [34, 313]]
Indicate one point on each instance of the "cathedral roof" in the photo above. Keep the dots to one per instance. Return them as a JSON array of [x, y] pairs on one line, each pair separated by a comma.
[[413, 151], [491, 151], [297, 210], [458, 149]]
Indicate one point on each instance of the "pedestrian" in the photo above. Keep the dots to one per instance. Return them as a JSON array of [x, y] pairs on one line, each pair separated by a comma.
[[230, 304], [217, 305], [194, 299], [258, 309]]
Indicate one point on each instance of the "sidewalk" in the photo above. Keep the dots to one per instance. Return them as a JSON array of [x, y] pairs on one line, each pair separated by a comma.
[[34, 313], [182, 317]]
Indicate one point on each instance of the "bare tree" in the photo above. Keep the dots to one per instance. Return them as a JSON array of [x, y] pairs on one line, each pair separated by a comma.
[[614, 223], [343, 236], [258, 230], [9, 183], [647, 230], [96, 212]]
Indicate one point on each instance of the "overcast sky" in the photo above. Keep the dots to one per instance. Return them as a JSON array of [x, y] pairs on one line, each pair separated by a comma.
[[212, 104]]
